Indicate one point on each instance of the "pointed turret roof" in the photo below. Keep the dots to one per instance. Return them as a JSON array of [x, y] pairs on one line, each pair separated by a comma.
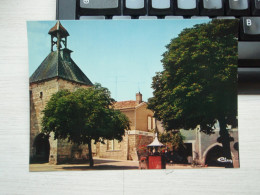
[[59, 28], [55, 66], [59, 63]]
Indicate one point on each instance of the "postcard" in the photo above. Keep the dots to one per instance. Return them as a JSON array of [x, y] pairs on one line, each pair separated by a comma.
[[133, 94]]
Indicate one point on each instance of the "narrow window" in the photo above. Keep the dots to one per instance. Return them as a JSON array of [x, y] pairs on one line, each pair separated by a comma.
[[41, 95], [149, 123], [109, 144], [154, 125], [113, 145]]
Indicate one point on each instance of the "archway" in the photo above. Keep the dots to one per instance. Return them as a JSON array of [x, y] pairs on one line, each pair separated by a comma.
[[213, 155], [42, 148]]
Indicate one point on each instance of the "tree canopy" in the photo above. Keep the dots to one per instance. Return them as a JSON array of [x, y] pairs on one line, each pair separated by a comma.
[[84, 115], [174, 139], [198, 84]]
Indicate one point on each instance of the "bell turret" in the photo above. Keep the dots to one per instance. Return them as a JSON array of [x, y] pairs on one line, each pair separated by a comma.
[[61, 34], [58, 64]]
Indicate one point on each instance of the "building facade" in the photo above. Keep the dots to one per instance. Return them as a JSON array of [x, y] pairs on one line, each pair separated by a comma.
[[57, 71], [205, 150], [139, 135]]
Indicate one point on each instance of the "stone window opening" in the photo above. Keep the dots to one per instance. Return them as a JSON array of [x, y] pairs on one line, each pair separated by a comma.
[[149, 123], [41, 94], [113, 145], [153, 123]]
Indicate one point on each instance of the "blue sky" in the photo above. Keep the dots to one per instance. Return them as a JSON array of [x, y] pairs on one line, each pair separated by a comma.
[[122, 55]]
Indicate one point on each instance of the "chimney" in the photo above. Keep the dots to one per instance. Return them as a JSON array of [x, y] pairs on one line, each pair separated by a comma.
[[139, 98]]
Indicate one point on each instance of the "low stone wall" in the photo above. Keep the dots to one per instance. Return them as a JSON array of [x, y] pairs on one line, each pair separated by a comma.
[[66, 152], [128, 147]]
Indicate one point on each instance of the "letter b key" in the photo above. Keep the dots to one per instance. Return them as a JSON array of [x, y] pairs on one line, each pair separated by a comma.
[[250, 28]]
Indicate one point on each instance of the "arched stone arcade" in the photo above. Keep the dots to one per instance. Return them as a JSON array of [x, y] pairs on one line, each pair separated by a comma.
[[212, 153], [41, 148]]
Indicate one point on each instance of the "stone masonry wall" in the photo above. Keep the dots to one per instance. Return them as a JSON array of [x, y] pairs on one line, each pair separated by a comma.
[[203, 143], [209, 141], [136, 144], [69, 152], [120, 154], [40, 94]]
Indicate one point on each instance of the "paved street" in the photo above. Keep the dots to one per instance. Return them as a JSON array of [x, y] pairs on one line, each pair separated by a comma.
[[100, 164]]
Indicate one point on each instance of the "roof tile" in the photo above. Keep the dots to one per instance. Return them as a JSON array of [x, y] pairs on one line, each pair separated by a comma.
[[125, 104], [54, 65]]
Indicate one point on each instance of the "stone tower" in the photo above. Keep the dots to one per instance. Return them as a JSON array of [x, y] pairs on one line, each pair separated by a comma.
[[57, 71]]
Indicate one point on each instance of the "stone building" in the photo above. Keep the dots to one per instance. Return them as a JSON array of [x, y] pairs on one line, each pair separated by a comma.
[[203, 149], [139, 135], [57, 71]]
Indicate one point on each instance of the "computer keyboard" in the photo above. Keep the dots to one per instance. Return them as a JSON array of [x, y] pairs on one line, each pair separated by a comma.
[[248, 11]]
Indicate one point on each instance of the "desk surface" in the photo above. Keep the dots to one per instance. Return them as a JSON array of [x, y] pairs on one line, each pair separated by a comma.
[[15, 177]]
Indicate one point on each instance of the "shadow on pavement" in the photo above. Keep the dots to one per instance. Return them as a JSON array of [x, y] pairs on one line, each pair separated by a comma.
[[100, 161], [103, 164], [100, 167]]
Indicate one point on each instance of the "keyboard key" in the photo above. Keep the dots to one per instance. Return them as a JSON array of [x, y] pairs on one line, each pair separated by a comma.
[[121, 17], [100, 7], [92, 17], [237, 8], [160, 7], [199, 17], [147, 17], [211, 8], [225, 17], [134, 7], [173, 17], [249, 50], [186, 7], [186, 4], [255, 4], [250, 28], [66, 10]]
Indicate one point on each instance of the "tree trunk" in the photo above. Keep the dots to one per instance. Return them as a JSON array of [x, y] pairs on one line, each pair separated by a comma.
[[91, 162], [225, 140]]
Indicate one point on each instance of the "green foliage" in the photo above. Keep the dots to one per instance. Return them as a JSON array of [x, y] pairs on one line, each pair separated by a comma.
[[174, 139], [84, 115], [199, 82]]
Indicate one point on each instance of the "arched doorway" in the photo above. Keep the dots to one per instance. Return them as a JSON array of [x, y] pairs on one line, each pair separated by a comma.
[[213, 155], [42, 148]]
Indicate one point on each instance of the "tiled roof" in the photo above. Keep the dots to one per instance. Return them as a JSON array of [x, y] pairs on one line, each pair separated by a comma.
[[125, 104], [54, 65]]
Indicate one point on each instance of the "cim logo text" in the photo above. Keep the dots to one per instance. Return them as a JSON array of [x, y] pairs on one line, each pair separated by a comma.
[[224, 160]]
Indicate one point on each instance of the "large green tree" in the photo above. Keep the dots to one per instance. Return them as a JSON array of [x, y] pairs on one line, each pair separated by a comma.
[[198, 84], [175, 139], [84, 115]]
